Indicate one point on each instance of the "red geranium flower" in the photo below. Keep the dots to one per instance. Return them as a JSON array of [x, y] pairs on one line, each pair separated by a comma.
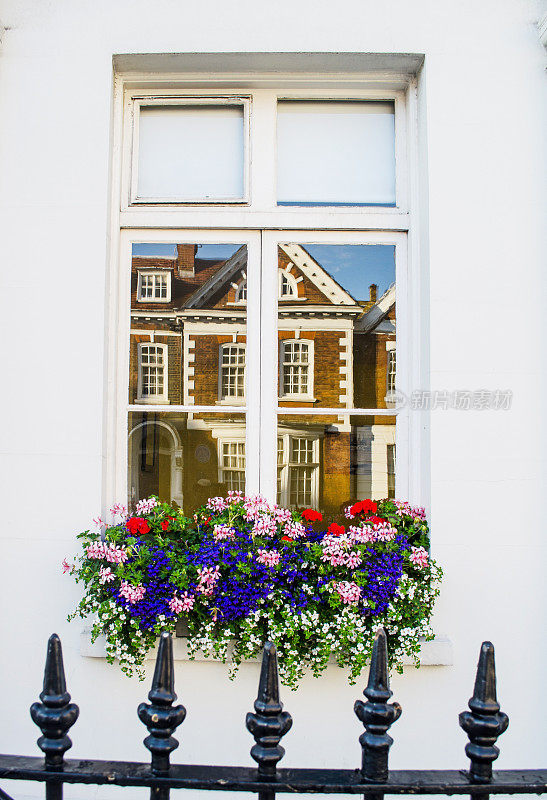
[[165, 524], [312, 516], [377, 520], [137, 525], [286, 539], [335, 530], [364, 507]]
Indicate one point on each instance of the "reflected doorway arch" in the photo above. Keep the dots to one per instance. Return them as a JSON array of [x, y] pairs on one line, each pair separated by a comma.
[[155, 461]]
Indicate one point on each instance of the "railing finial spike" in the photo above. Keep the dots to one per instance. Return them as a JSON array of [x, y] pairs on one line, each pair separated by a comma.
[[160, 716], [163, 682], [268, 685], [269, 723], [55, 714], [485, 722], [378, 679], [376, 714]]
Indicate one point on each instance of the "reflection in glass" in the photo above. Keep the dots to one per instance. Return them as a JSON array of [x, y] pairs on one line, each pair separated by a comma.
[[188, 324], [337, 325], [191, 152], [335, 153], [185, 458], [327, 462]]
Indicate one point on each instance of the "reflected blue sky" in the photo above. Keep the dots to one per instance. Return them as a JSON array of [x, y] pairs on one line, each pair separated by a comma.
[[220, 251], [356, 266], [353, 266]]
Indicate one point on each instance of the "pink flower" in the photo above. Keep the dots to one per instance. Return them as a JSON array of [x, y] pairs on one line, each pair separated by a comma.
[[145, 506], [106, 575], [413, 511], [349, 591], [223, 532], [294, 530], [234, 496], [282, 515], [132, 593], [268, 557], [66, 566], [118, 509], [353, 559], [184, 603], [216, 503], [207, 578], [419, 557], [254, 506], [264, 526], [112, 554], [96, 550], [99, 522]]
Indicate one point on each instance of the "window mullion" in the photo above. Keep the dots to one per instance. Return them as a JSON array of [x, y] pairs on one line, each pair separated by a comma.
[[269, 376]]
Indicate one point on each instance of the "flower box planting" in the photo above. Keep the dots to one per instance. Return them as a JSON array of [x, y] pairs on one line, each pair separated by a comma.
[[242, 571]]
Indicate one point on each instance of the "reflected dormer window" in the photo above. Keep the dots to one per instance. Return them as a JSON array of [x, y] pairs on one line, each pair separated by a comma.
[[287, 285], [154, 287], [241, 291]]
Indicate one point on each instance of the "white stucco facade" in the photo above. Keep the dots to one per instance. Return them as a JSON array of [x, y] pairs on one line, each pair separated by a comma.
[[481, 203]]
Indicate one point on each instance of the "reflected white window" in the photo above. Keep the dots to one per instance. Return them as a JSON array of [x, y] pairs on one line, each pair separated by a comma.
[[232, 465], [154, 287], [152, 379], [335, 153], [298, 471], [296, 368], [391, 371], [287, 285], [190, 152], [232, 372]]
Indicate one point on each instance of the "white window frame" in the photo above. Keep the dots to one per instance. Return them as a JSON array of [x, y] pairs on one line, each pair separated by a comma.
[[147, 273], [239, 223], [230, 398], [306, 396], [162, 397], [139, 102], [271, 411]]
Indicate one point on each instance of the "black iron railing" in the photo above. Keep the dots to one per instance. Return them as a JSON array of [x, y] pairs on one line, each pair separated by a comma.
[[483, 723]]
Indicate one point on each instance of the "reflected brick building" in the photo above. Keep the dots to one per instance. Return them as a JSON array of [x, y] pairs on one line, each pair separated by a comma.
[[188, 348]]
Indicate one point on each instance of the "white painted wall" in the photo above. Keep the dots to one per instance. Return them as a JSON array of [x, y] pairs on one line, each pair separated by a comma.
[[483, 107]]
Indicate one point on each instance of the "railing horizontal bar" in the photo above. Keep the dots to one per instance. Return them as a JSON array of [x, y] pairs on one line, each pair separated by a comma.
[[331, 781]]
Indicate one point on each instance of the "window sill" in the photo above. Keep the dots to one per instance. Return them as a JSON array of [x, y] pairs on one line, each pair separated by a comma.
[[149, 300], [437, 653], [297, 398], [152, 401]]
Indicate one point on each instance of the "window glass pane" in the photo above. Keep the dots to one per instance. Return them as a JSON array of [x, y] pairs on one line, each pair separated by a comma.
[[191, 152], [185, 458], [328, 463], [188, 324], [336, 334], [335, 153]]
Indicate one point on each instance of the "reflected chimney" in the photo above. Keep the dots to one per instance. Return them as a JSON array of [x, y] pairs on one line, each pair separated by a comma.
[[186, 257], [373, 291]]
